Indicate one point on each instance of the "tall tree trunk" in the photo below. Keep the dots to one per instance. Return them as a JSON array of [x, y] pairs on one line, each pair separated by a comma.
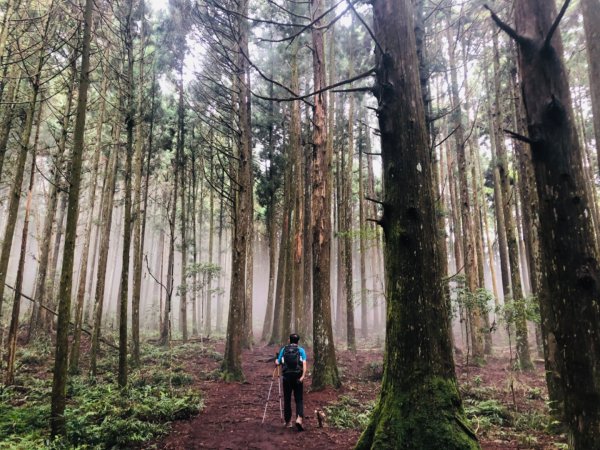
[[347, 225], [271, 223], [104, 231], [476, 189], [74, 357], [364, 323], [268, 322], [468, 237], [183, 307], [14, 322], [15, 190], [40, 291], [138, 244], [129, 128], [418, 368], [284, 323], [193, 205], [498, 201], [307, 271], [165, 330], [569, 251], [211, 232], [325, 372], [529, 205], [239, 325], [297, 248], [220, 295], [247, 176], [57, 418], [509, 222]]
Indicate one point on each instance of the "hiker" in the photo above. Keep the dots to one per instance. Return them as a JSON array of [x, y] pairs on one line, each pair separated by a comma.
[[292, 358]]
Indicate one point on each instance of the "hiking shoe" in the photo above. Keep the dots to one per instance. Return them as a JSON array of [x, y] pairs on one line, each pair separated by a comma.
[[299, 424]]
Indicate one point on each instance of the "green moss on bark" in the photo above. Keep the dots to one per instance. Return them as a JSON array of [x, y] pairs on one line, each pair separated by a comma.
[[428, 416]]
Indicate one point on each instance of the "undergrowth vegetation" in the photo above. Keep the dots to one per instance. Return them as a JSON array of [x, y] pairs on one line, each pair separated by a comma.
[[349, 412], [99, 414], [498, 419]]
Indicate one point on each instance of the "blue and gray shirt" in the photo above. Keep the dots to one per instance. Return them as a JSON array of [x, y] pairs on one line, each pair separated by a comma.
[[279, 359]]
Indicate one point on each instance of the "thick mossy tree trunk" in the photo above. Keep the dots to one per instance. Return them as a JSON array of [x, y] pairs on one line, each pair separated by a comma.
[[325, 372], [569, 256], [419, 405]]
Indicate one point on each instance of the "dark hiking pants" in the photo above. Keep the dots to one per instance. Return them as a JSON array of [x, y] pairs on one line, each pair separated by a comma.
[[292, 383]]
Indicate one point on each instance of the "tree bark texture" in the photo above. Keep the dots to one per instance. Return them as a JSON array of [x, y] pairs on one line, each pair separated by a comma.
[[419, 405], [569, 255], [325, 372]]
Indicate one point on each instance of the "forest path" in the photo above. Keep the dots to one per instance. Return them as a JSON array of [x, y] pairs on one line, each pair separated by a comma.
[[232, 414]]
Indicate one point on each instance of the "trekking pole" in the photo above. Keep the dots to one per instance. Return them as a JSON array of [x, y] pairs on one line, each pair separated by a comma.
[[269, 396], [279, 384]]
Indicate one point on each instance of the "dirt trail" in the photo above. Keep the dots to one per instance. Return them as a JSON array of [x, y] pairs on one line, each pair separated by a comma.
[[231, 418]]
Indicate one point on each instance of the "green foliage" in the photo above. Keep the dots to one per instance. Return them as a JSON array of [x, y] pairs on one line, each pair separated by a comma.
[[476, 392], [531, 421], [490, 412], [99, 414], [205, 272], [105, 416], [510, 309], [535, 393], [481, 299], [349, 412]]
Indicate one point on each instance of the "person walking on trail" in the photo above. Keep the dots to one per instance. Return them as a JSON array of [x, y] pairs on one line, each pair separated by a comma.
[[292, 358]]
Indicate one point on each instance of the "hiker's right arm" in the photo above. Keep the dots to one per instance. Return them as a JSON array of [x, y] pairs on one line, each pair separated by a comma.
[[304, 368], [279, 357]]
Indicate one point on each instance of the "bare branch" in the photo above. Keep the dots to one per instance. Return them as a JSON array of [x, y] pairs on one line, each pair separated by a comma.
[[554, 26], [359, 17], [519, 137], [506, 27], [325, 89]]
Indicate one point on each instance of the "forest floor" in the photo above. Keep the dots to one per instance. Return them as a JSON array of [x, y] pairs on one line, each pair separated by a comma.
[[507, 409], [177, 393]]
